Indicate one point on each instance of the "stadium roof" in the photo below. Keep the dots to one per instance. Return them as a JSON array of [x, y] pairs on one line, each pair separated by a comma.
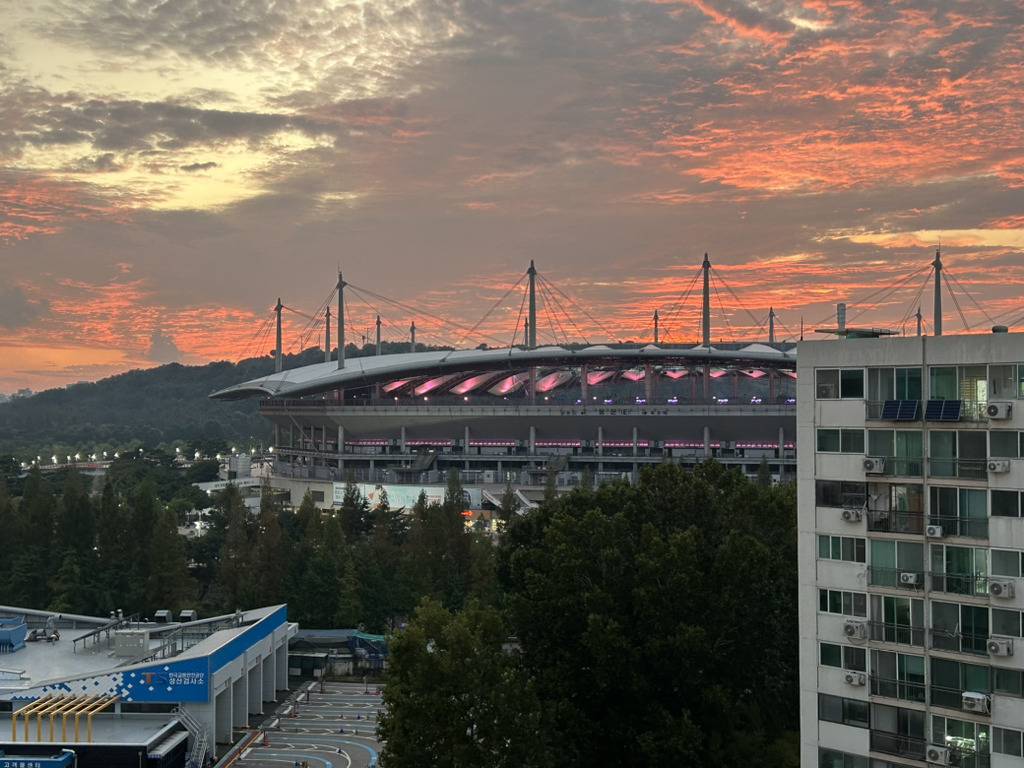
[[362, 371]]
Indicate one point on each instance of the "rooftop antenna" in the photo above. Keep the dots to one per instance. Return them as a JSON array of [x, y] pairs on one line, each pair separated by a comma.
[[918, 316], [771, 325], [937, 322], [278, 357], [412, 336], [655, 326], [378, 335]]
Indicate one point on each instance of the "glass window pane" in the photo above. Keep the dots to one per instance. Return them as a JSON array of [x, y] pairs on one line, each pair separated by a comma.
[[836, 551], [831, 655], [852, 441], [828, 440], [880, 384], [1003, 444], [1005, 562], [908, 384], [830, 708], [851, 383], [847, 555], [881, 442], [1008, 681], [1006, 741], [1005, 503], [856, 713], [854, 658], [1002, 382], [823, 547], [835, 601], [942, 383], [823, 600], [1005, 622], [860, 604], [827, 381]]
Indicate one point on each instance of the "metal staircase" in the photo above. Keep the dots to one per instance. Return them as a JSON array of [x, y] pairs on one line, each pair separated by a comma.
[[200, 738]]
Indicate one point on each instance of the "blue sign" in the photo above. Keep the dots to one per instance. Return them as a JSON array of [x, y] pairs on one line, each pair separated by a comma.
[[63, 760], [170, 682]]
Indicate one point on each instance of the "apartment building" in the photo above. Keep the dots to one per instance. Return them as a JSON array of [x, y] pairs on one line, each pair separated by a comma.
[[911, 551]]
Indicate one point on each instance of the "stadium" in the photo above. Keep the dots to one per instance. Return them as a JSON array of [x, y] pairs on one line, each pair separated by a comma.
[[524, 413]]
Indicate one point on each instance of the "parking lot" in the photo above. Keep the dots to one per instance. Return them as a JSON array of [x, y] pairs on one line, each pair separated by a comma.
[[335, 728]]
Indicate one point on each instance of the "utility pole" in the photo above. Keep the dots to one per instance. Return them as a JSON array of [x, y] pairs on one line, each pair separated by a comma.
[[327, 335], [532, 338], [918, 316], [378, 335], [937, 322], [278, 353], [341, 321], [771, 325], [655, 326]]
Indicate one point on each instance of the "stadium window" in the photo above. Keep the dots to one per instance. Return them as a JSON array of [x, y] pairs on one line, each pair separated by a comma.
[[1005, 741]]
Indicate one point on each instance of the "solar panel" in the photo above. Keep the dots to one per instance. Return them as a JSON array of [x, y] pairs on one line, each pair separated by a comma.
[[890, 410], [909, 410], [943, 410]]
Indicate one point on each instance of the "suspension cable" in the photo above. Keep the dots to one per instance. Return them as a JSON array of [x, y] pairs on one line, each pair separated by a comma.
[[956, 303], [589, 316], [946, 273], [566, 313]]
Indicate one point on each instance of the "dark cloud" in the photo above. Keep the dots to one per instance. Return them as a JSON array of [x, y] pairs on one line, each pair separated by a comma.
[[17, 310], [194, 167], [162, 348]]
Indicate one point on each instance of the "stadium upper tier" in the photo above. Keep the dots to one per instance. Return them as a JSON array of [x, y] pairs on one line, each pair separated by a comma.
[[366, 371]]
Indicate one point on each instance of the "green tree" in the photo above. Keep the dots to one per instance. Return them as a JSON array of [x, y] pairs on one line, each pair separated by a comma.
[[271, 551], [455, 697], [232, 584], [168, 584], [764, 473]]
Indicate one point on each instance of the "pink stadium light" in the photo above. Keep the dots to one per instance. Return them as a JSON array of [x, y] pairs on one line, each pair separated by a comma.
[[553, 380], [467, 386], [430, 385], [634, 374], [676, 373], [596, 377]]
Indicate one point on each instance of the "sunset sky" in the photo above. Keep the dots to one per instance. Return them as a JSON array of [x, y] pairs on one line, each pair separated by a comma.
[[168, 168]]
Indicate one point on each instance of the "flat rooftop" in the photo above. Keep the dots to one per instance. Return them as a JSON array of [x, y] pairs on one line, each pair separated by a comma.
[[107, 728]]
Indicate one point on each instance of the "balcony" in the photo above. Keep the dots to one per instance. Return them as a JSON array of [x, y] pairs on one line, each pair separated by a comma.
[[895, 578], [959, 642], [964, 469], [973, 584], [895, 521], [898, 689], [965, 527], [892, 410], [954, 410], [898, 466], [898, 744], [898, 634]]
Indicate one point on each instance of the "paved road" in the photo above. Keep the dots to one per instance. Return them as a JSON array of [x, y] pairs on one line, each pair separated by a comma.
[[333, 729]]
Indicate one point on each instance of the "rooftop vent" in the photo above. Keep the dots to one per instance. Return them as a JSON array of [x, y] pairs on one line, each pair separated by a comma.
[[1000, 329], [12, 633]]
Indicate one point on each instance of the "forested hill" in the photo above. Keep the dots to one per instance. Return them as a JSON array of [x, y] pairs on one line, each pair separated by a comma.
[[146, 407]]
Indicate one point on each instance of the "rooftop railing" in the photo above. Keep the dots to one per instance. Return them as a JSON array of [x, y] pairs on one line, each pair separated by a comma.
[[898, 634], [898, 744], [960, 583], [960, 642], [907, 690], [895, 521], [966, 469]]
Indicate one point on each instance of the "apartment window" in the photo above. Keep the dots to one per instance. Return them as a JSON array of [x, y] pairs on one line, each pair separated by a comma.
[[890, 558], [1003, 444], [831, 758], [1007, 562], [1005, 741], [848, 548], [836, 493], [894, 384], [843, 657], [827, 384], [949, 680], [960, 511], [898, 731], [942, 383], [1009, 682], [1006, 622], [965, 736], [834, 383], [897, 619], [843, 603], [897, 675], [838, 709], [973, 383], [841, 440], [957, 627], [960, 570], [1002, 382], [904, 446], [1020, 381], [1005, 504], [908, 383]]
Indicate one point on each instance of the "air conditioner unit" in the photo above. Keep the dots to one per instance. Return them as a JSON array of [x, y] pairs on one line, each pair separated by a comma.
[[1002, 588], [855, 678], [853, 515], [975, 702], [998, 465], [855, 629], [908, 578], [874, 465], [933, 531], [999, 410], [937, 755], [1000, 646]]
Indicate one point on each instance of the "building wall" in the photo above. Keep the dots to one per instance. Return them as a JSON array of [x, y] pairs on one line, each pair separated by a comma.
[[879, 525]]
